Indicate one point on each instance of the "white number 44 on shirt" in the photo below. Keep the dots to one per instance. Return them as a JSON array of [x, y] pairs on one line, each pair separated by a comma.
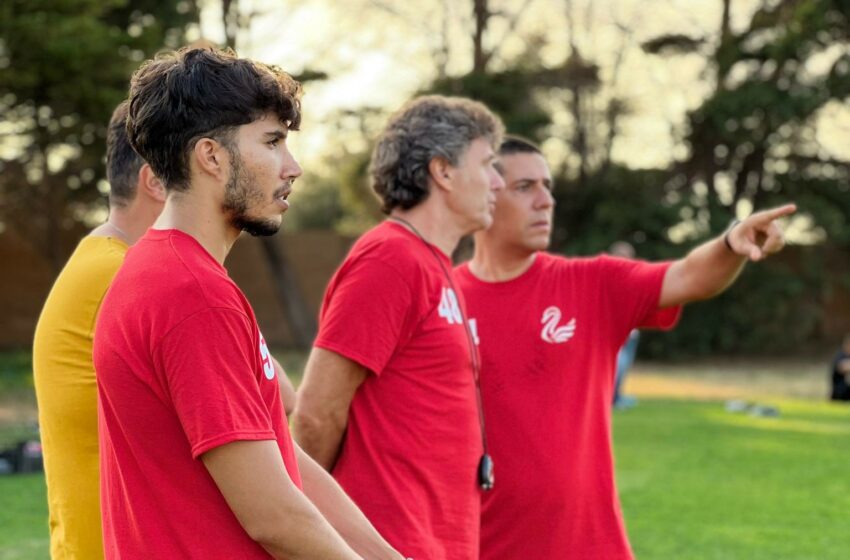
[[449, 308]]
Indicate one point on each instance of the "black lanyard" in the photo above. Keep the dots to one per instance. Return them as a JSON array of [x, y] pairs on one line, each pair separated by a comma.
[[486, 477]]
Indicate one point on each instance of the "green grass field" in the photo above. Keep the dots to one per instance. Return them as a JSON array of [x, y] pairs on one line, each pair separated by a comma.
[[699, 483], [23, 518], [696, 482]]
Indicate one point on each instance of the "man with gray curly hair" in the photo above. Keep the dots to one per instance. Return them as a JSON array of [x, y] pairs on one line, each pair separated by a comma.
[[389, 402]]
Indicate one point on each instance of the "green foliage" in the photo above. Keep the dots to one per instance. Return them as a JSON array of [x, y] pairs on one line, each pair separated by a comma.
[[614, 204], [15, 371], [510, 94], [17, 393], [315, 204], [756, 131], [757, 127], [753, 140], [342, 201], [356, 195], [64, 66], [337, 193], [771, 310], [774, 308]]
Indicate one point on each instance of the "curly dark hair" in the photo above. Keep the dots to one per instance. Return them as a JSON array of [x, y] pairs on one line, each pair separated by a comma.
[[425, 128], [180, 97], [122, 161]]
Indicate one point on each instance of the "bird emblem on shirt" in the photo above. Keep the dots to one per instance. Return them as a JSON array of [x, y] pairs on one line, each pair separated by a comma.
[[552, 333]]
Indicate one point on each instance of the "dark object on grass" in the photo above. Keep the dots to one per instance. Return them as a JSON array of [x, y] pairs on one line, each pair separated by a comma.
[[841, 373], [737, 406], [753, 409], [764, 411], [23, 457]]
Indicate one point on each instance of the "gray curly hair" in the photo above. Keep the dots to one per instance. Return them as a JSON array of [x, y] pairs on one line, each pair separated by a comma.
[[425, 128]]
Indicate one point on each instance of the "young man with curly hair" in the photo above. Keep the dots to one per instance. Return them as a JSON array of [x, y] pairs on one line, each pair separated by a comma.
[[196, 456]]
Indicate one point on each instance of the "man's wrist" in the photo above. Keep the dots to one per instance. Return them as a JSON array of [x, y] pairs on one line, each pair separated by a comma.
[[726, 235]]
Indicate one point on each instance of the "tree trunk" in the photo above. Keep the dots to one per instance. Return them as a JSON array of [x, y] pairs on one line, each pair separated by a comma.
[[580, 139], [441, 53], [727, 41], [230, 19], [481, 15], [302, 325]]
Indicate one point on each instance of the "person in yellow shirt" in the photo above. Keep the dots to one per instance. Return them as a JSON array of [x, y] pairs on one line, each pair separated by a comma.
[[62, 350]]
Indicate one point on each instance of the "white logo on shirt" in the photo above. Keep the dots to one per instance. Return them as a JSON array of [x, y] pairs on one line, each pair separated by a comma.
[[449, 308], [473, 329], [268, 366], [551, 332]]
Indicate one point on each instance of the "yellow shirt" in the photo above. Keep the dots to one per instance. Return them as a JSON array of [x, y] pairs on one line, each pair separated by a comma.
[[67, 397]]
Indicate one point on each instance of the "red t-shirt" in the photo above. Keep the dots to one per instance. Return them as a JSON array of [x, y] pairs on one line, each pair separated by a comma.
[[413, 442], [181, 368], [548, 342]]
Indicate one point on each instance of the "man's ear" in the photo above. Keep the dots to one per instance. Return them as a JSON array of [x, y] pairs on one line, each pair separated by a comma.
[[150, 184], [441, 172], [209, 157]]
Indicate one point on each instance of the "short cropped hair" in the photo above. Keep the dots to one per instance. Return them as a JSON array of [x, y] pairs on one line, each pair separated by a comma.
[[518, 145], [622, 249], [122, 161], [423, 129], [178, 98]]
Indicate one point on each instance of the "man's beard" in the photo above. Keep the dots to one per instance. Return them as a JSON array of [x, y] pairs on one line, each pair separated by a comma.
[[241, 193]]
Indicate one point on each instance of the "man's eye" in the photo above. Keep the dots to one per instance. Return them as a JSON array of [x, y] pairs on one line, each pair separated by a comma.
[[274, 143]]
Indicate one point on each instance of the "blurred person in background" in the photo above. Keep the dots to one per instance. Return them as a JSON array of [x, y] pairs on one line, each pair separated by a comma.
[[62, 349], [549, 328], [628, 352], [841, 372]]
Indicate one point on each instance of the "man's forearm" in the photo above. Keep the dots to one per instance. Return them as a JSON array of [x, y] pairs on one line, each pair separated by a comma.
[[320, 439], [268, 505], [312, 537], [341, 512], [321, 408], [705, 272], [711, 268]]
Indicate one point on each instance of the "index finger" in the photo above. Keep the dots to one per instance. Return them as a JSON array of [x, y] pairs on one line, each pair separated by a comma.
[[774, 213]]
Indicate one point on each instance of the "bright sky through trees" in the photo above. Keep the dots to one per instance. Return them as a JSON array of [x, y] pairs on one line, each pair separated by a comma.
[[377, 53]]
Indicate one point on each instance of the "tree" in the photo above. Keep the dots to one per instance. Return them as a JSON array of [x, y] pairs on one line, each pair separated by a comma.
[[287, 289], [64, 66], [753, 141]]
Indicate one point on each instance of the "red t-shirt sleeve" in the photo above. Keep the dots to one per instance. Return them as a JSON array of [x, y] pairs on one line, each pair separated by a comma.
[[634, 288], [208, 363], [367, 314]]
